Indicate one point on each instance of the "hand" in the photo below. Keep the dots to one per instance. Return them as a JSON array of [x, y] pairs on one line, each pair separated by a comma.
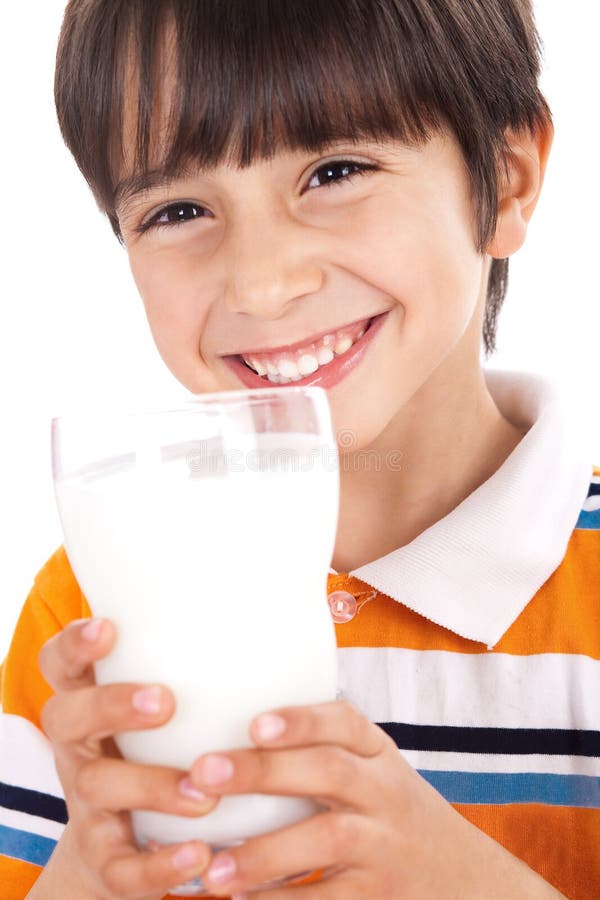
[[99, 855], [385, 832]]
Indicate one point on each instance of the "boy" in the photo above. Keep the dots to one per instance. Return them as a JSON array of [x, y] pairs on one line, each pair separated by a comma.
[[280, 172]]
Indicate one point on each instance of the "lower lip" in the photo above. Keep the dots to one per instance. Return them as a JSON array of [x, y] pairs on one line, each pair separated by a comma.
[[326, 376]]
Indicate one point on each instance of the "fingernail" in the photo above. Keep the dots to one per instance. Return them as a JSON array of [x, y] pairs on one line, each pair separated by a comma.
[[216, 769], [147, 700], [188, 790], [91, 631], [268, 727], [188, 857], [221, 870], [239, 897]]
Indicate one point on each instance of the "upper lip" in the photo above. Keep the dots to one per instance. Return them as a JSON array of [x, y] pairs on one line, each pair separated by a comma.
[[307, 340]]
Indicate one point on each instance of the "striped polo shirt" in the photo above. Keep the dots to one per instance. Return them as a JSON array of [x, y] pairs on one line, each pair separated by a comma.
[[478, 651]]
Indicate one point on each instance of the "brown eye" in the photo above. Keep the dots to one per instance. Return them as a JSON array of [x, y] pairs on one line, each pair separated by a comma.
[[178, 212], [339, 172], [175, 214]]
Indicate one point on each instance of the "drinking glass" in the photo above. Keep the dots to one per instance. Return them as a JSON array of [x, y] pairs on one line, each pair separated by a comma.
[[205, 534]]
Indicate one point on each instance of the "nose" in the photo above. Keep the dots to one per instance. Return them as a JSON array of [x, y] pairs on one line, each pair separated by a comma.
[[270, 263]]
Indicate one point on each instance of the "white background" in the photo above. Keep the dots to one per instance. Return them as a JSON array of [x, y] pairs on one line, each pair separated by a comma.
[[73, 327]]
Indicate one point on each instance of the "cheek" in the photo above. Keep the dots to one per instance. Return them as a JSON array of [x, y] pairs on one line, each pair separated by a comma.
[[442, 291], [423, 256], [175, 311]]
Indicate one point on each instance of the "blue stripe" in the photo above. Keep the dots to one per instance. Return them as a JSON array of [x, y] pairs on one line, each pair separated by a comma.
[[521, 787], [589, 519], [31, 848]]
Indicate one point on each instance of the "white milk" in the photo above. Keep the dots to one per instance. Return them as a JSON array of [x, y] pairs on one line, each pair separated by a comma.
[[217, 587]]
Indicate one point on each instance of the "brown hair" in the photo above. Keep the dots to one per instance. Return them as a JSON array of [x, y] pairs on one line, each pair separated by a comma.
[[255, 77]]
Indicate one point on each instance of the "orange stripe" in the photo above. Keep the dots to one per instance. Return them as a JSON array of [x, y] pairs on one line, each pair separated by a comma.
[[559, 843], [556, 620], [17, 877]]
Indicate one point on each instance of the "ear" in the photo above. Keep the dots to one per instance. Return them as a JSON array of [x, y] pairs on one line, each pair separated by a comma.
[[519, 192]]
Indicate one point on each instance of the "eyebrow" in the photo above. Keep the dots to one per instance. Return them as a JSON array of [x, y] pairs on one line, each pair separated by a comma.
[[142, 182]]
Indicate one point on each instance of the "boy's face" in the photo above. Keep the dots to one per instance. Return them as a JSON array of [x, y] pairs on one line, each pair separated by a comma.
[[280, 252]]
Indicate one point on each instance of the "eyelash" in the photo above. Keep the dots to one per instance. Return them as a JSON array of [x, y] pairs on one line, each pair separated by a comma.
[[360, 169]]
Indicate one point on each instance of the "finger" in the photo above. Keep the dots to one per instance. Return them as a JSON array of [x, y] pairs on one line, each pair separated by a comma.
[[331, 842], [66, 659], [339, 722], [138, 874], [115, 785], [331, 775], [90, 714]]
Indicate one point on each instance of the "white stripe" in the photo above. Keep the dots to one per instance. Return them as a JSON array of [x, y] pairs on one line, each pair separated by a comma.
[[592, 503], [26, 757], [438, 687], [31, 824], [502, 763]]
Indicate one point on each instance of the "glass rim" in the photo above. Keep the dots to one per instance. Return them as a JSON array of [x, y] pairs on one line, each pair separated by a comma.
[[214, 399]]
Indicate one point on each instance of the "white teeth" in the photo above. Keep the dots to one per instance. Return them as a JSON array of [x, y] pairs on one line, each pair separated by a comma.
[[324, 356], [262, 370], [342, 345], [281, 379], [307, 364], [287, 368]]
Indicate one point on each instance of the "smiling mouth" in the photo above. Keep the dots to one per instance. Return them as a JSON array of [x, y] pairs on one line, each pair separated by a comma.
[[284, 366]]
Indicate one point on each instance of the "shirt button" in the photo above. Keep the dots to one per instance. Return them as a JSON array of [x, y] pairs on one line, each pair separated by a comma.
[[342, 605]]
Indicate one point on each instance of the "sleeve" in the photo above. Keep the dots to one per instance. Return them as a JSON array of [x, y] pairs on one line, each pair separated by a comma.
[[32, 808]]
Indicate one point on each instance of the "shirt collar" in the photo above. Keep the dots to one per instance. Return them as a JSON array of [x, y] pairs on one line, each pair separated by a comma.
[[475, 570]]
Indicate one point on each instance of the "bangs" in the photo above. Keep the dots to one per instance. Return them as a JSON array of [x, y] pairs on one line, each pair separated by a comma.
[[256, 78]]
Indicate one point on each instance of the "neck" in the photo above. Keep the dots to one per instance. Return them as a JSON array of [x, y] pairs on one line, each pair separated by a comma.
[[437, 450]]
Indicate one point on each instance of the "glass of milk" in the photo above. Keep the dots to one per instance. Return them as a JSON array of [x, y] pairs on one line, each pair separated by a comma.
[[205, 533]]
